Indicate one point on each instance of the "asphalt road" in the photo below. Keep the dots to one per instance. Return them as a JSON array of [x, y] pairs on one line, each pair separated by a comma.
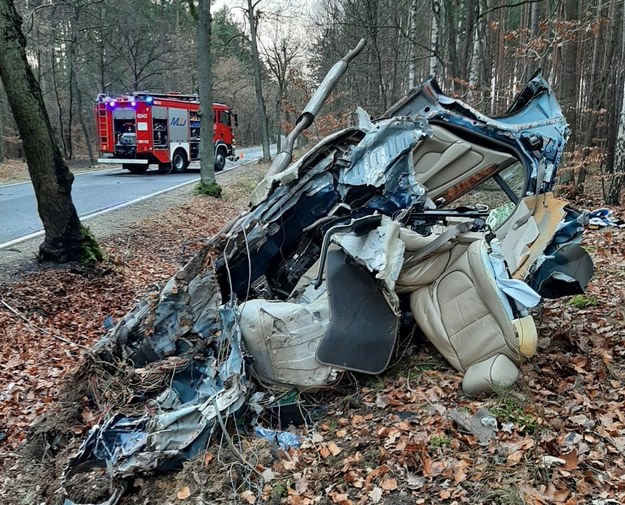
[[96, 192]]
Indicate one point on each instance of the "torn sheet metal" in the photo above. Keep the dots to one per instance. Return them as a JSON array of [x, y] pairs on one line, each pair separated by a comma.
[[184, 415], [380, 251], [424, 253], [565, 272], [534, 127], [380, 148]]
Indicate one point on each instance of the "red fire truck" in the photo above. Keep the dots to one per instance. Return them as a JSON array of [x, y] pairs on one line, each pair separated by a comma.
[[164, 129]]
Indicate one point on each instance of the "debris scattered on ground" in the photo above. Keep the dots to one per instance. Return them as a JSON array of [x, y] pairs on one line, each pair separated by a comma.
[[393, 431], [482, 424]]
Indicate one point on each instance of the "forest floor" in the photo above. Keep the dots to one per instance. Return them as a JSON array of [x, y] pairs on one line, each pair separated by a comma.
[[386, 439]]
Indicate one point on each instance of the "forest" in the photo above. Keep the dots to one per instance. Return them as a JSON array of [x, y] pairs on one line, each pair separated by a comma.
[[481, 51]]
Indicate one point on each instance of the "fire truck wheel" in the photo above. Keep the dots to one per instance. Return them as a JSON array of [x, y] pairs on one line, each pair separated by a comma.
[[135, 169], [220, 160], [179, 161]]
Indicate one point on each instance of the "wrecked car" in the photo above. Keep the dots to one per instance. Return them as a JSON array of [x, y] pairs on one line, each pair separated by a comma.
[[432, 215]]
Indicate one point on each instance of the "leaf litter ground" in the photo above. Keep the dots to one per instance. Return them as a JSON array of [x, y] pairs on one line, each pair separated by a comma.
[[386, 439]]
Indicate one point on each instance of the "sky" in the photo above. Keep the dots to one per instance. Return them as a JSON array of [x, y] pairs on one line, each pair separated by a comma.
[[290, 6], [293, 20]]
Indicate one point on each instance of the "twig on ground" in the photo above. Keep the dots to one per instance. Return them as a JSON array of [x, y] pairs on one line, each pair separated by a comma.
[[42, 330]]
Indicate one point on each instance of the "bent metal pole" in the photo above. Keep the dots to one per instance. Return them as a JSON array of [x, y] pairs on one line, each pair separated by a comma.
[[306, 118]]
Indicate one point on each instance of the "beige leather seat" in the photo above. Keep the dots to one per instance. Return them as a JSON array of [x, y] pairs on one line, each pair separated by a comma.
[[470, 321]]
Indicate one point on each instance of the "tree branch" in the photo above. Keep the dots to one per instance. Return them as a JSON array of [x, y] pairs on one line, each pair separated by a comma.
[[498, 7]]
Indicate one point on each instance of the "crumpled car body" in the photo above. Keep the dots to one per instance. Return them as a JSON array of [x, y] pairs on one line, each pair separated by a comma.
[[433, 215], [468, 230]]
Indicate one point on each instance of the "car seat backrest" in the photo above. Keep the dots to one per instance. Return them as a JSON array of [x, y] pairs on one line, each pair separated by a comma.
[[445, 160]]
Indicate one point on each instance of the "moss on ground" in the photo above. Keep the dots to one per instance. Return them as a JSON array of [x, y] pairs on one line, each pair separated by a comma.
[[213, 189], [91, 252]]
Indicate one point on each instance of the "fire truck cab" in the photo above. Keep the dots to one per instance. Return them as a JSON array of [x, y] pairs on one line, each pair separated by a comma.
[[147, 128]]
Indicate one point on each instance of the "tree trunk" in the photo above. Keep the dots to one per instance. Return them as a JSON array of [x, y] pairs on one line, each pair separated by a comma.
[[570, 82], [58, 103], [52, 180], [618, 169], [469, 40], [597, 94], [71, 87], [276, 124], [412, 50], [258, 84], [434, 33], [452, 43], [2, 120], [614, 193], [83, 123], [205, 81], [476, 59]]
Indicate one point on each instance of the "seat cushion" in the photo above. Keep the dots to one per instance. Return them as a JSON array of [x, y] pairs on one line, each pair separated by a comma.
[[463, 314]]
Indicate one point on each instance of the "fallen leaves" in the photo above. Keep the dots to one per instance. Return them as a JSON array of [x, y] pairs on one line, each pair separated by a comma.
[[331, 449], [389, 484], [248, 497], [73, 302], [571, 461], [564, 443]]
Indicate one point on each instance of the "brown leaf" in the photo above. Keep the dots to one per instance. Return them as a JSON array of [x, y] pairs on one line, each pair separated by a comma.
[[571, 459], [334, 449], [183, 493], [248, 496], [324, 451], [459, 475], [340, 498], [389, 484], [426, 461], [533, 496], [515, 457], [445, 494], [556, 495], [208, 457]]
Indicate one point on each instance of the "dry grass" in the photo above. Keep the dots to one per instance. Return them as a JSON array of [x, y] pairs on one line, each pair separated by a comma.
[[12, 171]]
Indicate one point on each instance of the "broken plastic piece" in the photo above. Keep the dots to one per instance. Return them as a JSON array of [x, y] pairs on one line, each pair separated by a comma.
[[283, 439]]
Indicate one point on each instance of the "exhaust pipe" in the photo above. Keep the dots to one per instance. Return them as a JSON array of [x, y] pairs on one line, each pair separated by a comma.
[[308, 115]]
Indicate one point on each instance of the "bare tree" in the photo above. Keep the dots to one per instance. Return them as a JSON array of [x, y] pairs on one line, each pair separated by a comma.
[[208, 183], [618, 180], [280, 56], [253, 17], [65, 239]]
